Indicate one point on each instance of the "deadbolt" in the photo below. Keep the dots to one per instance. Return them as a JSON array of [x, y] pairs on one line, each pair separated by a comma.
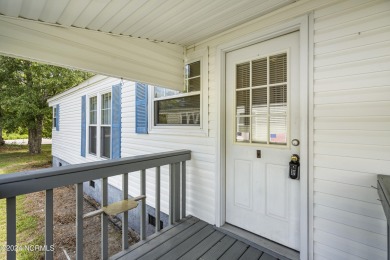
[[295, 142]]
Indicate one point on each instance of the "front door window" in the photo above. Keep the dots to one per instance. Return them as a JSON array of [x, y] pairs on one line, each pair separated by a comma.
[[261, 100]]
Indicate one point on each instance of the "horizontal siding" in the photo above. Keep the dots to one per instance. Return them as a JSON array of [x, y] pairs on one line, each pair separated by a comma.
[[200, 170], [351, 128]]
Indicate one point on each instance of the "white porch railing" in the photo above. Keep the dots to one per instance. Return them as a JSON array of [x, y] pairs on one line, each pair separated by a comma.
[[12, 185]]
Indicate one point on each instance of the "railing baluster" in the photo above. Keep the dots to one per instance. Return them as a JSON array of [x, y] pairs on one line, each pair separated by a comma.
[[79, 221], [183, 189], [11, 227], [157, 196], [176, 180], [125, 216], [104, 220], [49, 224], [171, 193], [143, 205]]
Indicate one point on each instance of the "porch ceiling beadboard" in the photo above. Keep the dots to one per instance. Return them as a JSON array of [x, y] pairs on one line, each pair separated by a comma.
[[130, 39], [173, 21]]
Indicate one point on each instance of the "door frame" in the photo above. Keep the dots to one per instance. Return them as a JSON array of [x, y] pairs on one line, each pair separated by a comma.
[[304, 25]]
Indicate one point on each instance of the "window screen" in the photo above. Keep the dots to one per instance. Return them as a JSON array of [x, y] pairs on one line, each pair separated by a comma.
[[261, 100]]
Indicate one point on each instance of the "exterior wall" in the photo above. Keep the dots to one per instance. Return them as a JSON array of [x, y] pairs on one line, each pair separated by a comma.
[[351, 128], [351, 115]]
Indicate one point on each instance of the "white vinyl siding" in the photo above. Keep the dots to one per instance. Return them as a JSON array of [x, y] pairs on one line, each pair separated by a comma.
[[351, 128]]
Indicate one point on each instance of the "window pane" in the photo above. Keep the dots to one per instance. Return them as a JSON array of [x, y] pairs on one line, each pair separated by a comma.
[[106, 141], [158, 92], [259, 101], [92, 140], [193, 84], [278, 130], [278, 68], [93, 110], [242, 102], [259, 72], [242, 130], [106, 109], [54, 117], [278, 99], [259, 129], [178, 111], [192, 69], [93, 117], [106, 101], [242, 75]]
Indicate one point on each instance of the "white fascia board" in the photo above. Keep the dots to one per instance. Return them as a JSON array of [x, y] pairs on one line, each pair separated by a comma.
[[89, 82], [134, 59]]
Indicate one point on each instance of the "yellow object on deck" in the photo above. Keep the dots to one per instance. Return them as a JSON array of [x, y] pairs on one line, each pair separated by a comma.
[[120, 206]]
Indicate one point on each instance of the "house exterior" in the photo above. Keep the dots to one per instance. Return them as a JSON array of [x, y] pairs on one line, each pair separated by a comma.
[[309, 78]]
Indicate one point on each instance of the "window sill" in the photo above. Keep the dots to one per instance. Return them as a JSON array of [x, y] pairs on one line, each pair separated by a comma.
[[95, 157], [179, 130]]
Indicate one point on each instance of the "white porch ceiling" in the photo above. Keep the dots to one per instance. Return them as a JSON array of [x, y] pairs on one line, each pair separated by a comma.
[[183, 22]]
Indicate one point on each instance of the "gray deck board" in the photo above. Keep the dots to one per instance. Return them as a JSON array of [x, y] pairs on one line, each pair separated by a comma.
[[203, 246], [217, 251], [173, 242], [267, 257], [235, 251], [188, 244], [251, 253], [155, 240], [191, 239]]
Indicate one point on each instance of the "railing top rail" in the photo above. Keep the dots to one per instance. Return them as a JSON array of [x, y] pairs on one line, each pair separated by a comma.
[[31, 181]]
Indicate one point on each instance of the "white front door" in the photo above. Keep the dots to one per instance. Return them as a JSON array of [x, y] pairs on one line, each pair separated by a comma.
[[262, 119]]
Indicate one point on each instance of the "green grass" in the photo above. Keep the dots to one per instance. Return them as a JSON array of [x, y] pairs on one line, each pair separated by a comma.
[[15, 158]]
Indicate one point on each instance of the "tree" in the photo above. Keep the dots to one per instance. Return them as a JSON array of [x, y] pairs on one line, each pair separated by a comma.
[[25, 87]]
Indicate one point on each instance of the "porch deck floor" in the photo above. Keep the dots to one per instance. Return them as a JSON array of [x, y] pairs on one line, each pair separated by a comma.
[[192, 238]]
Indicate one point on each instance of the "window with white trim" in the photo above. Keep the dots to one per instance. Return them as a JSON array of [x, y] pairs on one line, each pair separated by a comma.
[[175, 108], [174, 111], [92, 125], [99, 133], [105, 147]]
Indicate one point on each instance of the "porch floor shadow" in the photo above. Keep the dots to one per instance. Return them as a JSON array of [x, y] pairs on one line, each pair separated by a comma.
[[192, 238]]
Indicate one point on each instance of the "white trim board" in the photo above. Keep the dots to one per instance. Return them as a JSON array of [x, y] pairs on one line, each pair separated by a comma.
[[300, 24]]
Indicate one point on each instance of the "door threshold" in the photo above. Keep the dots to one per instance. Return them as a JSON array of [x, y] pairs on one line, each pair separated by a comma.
[[263, 244]]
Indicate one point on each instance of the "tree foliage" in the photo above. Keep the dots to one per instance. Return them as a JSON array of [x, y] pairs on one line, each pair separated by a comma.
[[25, 87]]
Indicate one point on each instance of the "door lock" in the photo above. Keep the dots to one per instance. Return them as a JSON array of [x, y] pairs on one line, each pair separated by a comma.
[[294, 167]]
